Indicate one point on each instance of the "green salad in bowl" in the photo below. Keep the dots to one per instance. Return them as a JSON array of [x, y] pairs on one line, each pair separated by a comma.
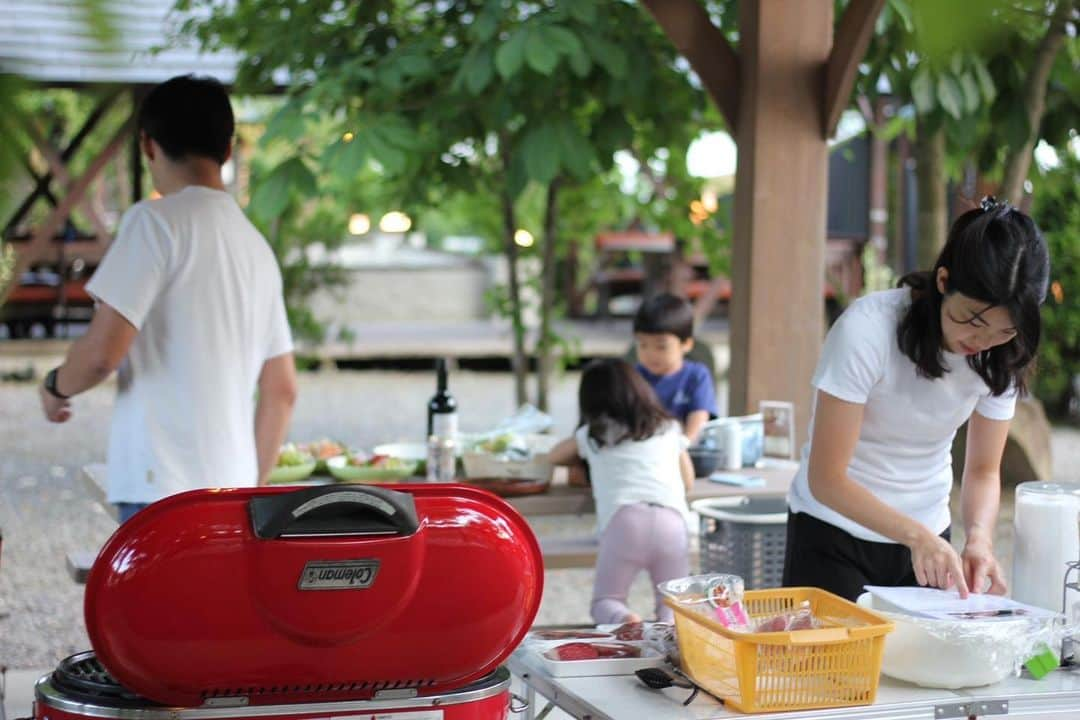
[[359, 466], [293, 464]]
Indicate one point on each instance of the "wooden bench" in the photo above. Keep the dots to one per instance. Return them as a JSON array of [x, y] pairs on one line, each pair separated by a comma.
[[79, 562], [562, 553]]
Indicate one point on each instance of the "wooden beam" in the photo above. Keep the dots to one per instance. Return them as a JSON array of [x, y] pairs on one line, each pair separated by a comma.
[[90, 251], [853, 35], [42, 183], [38, 179], [43, 234], [689, 27], [135, 165], [58, 168]]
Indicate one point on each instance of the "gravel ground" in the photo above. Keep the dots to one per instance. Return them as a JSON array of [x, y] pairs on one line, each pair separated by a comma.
[[45, 512]]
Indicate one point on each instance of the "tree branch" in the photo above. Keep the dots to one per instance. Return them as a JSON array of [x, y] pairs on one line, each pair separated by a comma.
[[1018, 162], [852, 39], [688, 26]]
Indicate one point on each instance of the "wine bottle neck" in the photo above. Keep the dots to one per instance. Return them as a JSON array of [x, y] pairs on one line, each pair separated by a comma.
[[440, 374]]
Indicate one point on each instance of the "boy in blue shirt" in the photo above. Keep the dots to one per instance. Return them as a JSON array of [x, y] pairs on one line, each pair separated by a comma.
[[663, 334]]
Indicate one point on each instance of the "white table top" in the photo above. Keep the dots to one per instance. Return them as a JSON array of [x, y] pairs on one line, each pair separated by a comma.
[[619, 697]]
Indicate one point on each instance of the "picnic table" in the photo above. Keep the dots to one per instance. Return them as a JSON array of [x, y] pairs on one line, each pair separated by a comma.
[[559, 499]]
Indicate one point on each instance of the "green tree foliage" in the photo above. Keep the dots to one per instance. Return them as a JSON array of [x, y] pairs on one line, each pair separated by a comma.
[[447, 100], [1057, 208]]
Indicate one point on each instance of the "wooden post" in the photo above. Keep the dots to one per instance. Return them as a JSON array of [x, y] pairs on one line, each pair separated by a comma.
[[778, 264], [135, 150]]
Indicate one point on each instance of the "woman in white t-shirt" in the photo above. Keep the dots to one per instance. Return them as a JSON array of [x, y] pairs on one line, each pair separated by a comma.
[[900, 372], [640, 475]]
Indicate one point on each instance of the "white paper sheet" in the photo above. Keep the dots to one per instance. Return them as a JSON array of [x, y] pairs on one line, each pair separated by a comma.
[[947, 605]]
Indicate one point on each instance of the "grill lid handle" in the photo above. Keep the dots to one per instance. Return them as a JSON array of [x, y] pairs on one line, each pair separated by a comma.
[[350, 510]]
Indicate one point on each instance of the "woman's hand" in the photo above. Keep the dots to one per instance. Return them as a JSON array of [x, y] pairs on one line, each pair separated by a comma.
[[980, 565], [936, 563]]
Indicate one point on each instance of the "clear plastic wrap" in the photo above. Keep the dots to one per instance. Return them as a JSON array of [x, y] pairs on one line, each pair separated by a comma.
[[953, 654], [802, 618], [716, 595]]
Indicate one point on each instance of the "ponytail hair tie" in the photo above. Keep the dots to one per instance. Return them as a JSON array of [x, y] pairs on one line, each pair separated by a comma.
[[990, 204]]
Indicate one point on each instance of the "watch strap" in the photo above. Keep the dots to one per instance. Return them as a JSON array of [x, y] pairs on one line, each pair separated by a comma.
[[50, 385]]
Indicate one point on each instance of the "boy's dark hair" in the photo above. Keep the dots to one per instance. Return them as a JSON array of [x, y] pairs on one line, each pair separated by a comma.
[[995, 254], [665, 314], [617, 404], [189, 116]]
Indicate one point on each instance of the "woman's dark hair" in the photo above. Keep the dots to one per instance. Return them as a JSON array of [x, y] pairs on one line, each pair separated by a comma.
[[189, 116], [617, 404], [994, 254], [665, 314]]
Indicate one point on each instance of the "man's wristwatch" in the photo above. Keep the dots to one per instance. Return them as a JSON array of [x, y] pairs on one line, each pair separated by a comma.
[[50, 385]]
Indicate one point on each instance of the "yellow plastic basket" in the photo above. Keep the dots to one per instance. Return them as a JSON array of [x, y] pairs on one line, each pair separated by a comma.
[[832, 666]]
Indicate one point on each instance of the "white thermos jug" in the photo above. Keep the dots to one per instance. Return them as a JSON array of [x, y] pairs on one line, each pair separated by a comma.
[[1047, 525]]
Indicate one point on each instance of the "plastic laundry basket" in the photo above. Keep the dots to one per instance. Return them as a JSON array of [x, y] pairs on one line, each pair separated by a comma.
[[745, 538]]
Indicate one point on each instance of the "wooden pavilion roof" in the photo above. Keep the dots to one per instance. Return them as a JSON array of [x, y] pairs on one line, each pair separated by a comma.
[[47, 41]]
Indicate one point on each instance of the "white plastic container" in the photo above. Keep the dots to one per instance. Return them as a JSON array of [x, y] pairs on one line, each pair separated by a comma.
[[732, 446], [1047, 530], [600, 666], [945, 653]]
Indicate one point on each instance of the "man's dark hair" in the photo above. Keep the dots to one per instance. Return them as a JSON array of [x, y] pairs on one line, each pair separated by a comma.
[[616, 403], [994, 254], [665, 314], [189, 116]]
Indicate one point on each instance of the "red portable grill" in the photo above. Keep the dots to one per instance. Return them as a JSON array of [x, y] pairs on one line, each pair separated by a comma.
[[346, 600]]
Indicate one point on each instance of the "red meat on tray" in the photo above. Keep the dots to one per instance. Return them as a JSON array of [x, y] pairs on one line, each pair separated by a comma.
[[592, 651], [569, 635], [630, 631], [573, 651], [617, 650]]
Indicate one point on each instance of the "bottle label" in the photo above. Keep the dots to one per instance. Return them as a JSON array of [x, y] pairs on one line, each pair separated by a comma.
[[444, 425]]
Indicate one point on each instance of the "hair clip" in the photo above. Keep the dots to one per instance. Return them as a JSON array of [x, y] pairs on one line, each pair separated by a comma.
[[989, 203]]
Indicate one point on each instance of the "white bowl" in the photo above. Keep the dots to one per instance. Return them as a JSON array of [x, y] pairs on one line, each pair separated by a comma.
[[946, 653], [416, 452]]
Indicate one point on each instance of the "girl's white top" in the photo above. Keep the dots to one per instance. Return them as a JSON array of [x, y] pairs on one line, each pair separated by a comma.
[[904, 451], [635, 471]]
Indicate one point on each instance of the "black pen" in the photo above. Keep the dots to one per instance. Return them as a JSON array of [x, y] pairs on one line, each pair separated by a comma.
[[976, 614]]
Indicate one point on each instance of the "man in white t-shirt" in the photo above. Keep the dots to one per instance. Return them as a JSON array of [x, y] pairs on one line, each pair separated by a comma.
[[190, 315]]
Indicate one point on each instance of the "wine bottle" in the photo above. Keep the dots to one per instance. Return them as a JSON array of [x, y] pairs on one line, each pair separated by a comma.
[[442, 418]]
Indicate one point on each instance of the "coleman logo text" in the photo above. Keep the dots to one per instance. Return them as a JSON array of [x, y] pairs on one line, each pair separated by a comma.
[[339, 574]]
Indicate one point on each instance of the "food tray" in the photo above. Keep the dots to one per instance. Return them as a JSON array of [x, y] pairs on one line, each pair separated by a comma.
[[601, 666], [536, 636]]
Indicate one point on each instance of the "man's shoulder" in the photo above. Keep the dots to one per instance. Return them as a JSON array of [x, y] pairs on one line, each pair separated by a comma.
[[145, 212]]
